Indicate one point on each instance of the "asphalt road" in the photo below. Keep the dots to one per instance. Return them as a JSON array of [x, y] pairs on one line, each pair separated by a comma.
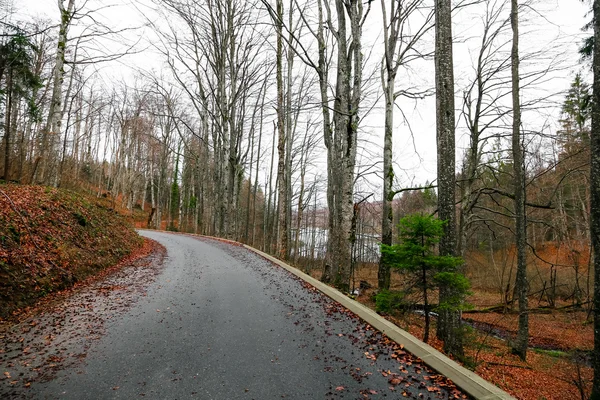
[[220, 322]]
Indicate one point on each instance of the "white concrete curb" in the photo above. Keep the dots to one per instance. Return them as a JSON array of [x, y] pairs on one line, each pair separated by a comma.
[[466, 380]]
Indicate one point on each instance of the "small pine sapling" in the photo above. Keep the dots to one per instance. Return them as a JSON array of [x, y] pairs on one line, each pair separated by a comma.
[[416, 255]]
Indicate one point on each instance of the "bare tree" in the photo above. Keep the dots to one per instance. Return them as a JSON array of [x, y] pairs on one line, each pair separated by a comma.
[[522, 341], [482, 110], [282, 177], [55, 112], [341, 141], [595, 197], [399, 49], [449, 321]]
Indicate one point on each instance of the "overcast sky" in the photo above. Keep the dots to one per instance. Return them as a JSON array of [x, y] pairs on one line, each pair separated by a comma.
[[562, 24]]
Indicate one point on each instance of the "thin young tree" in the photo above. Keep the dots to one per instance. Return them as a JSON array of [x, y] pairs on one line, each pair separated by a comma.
[[415, 254]]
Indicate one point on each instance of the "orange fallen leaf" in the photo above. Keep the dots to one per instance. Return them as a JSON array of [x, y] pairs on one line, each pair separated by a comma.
[[395, 381]]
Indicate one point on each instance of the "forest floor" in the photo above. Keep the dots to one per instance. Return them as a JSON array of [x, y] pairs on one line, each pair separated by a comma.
[[51, 239], [558, 362]]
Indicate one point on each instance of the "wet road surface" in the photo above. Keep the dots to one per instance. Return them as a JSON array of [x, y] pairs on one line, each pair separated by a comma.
[[220, 322]]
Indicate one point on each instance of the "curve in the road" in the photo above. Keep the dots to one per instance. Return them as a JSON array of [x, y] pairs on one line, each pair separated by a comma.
[[221, 322]]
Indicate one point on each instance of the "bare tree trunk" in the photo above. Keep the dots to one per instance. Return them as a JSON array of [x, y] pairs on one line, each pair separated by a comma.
[[388, 78], [8, 126], [397, 46], [255, 188], [595, 198], [282, 239], [342, 146], [63, 153], [449, 321], [55, 113], [299, 216], [521, 286], [268, 212], [290, 129]]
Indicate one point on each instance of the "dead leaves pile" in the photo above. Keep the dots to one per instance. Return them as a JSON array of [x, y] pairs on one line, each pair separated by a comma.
[[58, 331], [51, 238]]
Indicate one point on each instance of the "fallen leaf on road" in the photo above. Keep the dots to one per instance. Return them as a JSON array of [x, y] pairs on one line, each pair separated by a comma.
[[395, 381], [339, 388]]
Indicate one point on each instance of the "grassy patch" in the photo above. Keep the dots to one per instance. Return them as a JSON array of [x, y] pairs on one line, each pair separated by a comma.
[[552, 353]]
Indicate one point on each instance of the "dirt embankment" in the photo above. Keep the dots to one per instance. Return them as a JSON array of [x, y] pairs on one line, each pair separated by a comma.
[[51, 238]]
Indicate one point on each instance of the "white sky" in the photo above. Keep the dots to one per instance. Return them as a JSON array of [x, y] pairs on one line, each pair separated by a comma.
[[564, 18]]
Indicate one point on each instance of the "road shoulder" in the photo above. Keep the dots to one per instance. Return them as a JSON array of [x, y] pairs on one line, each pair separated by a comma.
[[468, 381]]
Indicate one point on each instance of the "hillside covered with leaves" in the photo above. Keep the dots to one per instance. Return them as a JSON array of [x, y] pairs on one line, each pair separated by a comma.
[[52, 238]]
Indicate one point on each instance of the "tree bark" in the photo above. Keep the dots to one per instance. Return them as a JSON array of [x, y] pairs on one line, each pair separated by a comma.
[[521, 286], [449, 321], [55, 113], [341, 143], [595, 197], [282, 238], [389, 80], [7, 126]]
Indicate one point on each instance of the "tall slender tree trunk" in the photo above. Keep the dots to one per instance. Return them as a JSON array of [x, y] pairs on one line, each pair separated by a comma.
[[448, 328], [299, 216], [268, 212], [388, 78], [55, 113], [384, 274], [595, 198], [342, 147], [8, 127], [255, 188], [323, 72], [282, 238], [521, 286], [290, 129]]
